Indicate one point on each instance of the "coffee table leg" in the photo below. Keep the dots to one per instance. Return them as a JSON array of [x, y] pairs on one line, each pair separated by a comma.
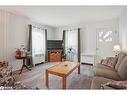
[[64, 82], [79, 69], [46, 79]]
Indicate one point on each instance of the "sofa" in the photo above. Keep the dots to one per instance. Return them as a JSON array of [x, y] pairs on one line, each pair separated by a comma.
[[105, 74]]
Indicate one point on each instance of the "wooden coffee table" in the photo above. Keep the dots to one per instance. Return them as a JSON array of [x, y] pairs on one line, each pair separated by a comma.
[[62, 69]]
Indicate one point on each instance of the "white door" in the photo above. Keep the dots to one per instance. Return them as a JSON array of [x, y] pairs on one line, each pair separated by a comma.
[[105, 42]]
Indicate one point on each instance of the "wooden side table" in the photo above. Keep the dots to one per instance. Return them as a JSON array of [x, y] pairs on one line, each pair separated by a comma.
[[24, 62]]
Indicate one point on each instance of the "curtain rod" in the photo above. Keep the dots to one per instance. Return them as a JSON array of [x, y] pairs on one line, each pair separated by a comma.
[[38, 27], [71, 29]]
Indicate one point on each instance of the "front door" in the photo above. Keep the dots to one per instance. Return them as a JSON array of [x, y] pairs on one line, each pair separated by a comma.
[[105, 42]]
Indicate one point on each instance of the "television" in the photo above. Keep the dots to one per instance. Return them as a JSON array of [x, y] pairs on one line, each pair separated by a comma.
[[54, 44]]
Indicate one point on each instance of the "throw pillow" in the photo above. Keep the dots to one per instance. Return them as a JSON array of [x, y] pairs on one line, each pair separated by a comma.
[[116, 84], [110, 61]]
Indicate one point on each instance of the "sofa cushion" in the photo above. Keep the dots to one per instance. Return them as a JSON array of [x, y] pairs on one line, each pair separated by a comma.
[[103, 66], [120, 58], [107, 73], [122, 70], [98, 81], [117, 84], [110, 62]]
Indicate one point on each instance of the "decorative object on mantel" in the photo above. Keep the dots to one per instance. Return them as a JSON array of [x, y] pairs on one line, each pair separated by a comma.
[[116, 49]]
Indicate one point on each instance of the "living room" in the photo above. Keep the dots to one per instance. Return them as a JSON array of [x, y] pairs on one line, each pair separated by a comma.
[[80, 35]]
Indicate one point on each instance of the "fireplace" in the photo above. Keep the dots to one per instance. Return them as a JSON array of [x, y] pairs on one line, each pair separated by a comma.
[[55, 55], [55, 50]]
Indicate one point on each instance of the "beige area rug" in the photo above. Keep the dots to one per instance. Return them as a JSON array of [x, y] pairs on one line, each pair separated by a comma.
[[36, 78]]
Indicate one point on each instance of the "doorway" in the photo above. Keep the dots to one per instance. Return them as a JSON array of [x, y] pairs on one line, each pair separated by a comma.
[[106, 38]]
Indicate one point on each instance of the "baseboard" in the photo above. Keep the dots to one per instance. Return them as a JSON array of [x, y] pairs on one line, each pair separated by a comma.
[[87, 64], [39, 63]]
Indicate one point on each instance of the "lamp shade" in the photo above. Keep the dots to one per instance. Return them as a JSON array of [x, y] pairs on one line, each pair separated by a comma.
[[116, 48]]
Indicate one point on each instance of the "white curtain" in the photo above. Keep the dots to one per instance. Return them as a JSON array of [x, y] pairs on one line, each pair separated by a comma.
[[4, 21], [71, 42], [38, 44]]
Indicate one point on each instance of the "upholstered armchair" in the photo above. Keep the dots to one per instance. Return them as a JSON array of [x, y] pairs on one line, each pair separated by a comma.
[[6, 78]]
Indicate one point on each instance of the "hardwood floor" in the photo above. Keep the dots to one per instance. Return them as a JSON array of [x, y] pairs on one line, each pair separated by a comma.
[[36, 77]]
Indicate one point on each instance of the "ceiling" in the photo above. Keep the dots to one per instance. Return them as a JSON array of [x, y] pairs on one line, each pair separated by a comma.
[[67, 15]]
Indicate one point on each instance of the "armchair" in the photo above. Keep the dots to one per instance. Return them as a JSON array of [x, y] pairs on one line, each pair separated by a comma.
[[6, 78]]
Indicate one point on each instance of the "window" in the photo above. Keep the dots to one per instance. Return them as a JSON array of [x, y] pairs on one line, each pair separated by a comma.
[[71, 44], [38, 44], [38, 41], [105, 36]]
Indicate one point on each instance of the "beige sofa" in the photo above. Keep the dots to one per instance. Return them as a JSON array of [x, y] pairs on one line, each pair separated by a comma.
[[104, 74]]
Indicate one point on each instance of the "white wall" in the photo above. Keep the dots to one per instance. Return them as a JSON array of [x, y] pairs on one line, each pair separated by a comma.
[[88, 34], [18, 35], [51, 33], [123, 30]]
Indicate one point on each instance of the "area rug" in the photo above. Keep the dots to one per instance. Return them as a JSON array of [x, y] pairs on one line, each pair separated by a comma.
[[36, 78]]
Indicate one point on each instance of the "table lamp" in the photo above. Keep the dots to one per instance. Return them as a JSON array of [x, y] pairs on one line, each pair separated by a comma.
[[116, 49]]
